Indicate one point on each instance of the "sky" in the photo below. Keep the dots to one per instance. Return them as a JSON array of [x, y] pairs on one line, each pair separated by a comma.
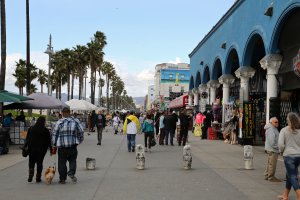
[[140, 34]]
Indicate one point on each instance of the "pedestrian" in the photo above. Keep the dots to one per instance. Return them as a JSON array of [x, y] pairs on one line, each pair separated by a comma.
[[162, 128], [156, 122], [131, 127], [184, 125], [206, 124], [289, 146], [67, 134], [92, 121], [38, 141], [116, 122], [170, 127], [141, 120], [148, 129], [7, 122], [21, 117], [271, 147], [100, 122]]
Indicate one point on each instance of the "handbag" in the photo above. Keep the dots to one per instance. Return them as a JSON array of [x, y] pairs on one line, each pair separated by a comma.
[[25, 150], [153, 142]]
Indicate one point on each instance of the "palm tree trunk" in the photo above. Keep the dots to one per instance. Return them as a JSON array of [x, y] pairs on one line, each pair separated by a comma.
[[28, 82], [92, 87], [107, 93], [72, 86], [41, 88], [68, 87]]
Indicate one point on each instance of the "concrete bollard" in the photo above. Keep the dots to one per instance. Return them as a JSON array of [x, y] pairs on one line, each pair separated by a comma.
[[187, 157], [90, 163], [140, 156], [248, 156]]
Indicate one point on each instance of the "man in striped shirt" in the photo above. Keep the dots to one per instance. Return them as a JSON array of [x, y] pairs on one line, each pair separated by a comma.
[[66, 135]]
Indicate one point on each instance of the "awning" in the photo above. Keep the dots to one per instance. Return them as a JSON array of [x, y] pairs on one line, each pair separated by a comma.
[[179, 102], [6, 96]]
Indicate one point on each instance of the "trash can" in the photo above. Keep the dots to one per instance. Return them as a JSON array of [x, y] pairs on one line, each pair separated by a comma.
[[4, 140]]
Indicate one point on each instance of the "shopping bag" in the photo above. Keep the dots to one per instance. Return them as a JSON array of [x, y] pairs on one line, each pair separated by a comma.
[[198, 131]]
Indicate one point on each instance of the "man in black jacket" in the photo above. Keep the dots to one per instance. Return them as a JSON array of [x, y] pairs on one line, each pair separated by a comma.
[[184, 125], [170, 127]]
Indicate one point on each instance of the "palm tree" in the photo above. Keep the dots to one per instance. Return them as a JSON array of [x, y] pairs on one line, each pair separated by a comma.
[[28, 83], [3, 47], [101, 85], [80, 63], [42, 78], [109, 71], [20, 75]]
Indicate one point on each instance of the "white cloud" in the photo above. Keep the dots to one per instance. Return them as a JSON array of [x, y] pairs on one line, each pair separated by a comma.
[[177, 60]]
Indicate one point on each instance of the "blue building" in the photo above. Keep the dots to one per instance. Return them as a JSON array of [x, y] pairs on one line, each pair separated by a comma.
[[251, 55]]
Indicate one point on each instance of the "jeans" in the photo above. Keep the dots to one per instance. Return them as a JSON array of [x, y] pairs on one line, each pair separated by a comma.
[[148, 137], [99, 131], [171, 132], [130, 141], [64, 155], [291, 165], [37, 155]]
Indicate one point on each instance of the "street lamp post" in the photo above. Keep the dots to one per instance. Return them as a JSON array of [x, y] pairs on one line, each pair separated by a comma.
[[50, 52], [85, 77]]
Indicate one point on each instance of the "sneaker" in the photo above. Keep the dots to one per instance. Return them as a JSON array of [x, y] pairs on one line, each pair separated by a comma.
[[132, 150], [146, 149], [62, 181], [73, 178]]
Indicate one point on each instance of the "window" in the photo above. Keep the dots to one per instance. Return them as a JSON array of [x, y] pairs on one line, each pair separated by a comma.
[[182, 89], [170, 88], [151, 95], [182, 77], [171, 76]]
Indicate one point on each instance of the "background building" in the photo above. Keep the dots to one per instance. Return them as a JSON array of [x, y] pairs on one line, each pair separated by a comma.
[[171, 81], [150, 96]]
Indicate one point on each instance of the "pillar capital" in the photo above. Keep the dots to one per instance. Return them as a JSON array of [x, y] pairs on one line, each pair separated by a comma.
[[202, 87], [195, 91], [190, 93], [271, 63], [226, 79], [245, 72], [213, 84]]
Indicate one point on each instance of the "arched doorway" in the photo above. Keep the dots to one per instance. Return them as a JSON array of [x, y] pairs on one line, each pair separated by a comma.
[[198, 80], [232, 64], [254, 52], [287, 43], [216, 74], [206, 75], [191, 85]]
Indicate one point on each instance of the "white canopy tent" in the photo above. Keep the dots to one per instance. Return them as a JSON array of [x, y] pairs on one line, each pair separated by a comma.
[[80, 105]]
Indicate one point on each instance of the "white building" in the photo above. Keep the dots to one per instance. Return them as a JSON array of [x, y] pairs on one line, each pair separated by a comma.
[[171, 81], [150, 96]]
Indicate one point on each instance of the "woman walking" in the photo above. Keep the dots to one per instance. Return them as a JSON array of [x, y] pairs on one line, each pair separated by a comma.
[[38, 141], [148, 129], [289, 145]]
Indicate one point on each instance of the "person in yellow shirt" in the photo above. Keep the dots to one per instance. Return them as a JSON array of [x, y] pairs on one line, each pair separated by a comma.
[[131, 127]]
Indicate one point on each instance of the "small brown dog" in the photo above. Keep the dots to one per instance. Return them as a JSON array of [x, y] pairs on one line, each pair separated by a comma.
[[49, 174]]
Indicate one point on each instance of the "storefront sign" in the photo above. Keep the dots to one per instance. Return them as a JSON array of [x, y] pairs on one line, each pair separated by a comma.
[[296, 64], [179, 102], [249, 123]]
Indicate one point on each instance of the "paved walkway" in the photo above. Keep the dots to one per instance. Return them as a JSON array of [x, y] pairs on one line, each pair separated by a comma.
[[217, 173]]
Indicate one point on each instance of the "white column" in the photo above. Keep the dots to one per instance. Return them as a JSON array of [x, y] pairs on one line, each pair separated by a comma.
[[226, 80], [190, 99], [226, 92], [244, 73], [213, 85], [271, 63], [196, 99]]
